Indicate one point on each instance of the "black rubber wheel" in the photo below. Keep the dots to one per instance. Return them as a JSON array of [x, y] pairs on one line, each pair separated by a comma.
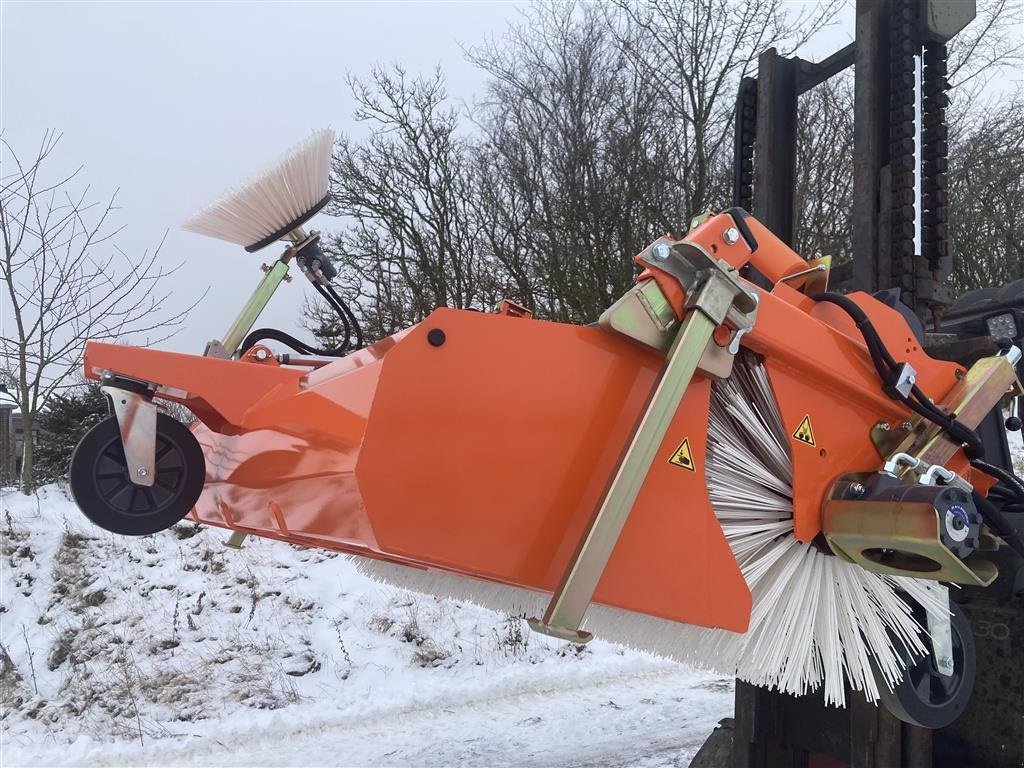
[[930, 699], [105, 494]]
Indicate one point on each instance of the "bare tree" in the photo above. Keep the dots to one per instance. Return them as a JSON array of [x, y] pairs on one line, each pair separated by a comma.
[[59, 291], [986, 204], [823, 185], [406, 192], [601, 127], [990, 46], [575, 176], [694, 52]]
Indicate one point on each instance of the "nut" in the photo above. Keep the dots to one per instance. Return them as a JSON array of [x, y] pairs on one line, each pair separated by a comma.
[[661, 251]]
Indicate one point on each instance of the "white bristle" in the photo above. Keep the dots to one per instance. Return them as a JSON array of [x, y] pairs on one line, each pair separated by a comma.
[[281, 194], [816, 620]]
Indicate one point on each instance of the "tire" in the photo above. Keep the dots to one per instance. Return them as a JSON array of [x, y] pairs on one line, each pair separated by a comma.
[[928, 699], [103, 491]]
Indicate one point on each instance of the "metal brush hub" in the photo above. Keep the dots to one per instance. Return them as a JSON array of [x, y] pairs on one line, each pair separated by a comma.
[[290, 227]]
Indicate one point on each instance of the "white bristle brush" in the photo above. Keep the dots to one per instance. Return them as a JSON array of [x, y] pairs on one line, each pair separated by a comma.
[[271, 204], [816, 620]]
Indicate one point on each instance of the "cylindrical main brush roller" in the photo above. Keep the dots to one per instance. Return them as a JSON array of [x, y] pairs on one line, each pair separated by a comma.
[[277, 201]]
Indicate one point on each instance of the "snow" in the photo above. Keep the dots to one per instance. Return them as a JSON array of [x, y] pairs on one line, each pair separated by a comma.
[[173, 650]]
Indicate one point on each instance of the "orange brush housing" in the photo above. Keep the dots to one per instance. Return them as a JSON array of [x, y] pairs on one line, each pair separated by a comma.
[[481, 444]]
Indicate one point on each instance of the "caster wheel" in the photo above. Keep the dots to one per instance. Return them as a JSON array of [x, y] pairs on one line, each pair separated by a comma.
[[103, 491], [927, 698]]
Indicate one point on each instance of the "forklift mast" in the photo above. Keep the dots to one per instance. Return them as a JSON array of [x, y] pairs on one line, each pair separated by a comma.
[[901, 247]]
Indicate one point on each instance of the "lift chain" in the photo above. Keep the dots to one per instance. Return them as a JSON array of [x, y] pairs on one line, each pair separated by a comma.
[[934, 162], [902, 131], [746, 134], [918, 274]]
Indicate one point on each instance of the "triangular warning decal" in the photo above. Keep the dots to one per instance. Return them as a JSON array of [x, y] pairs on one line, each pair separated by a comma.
[[804, 433], [682, 457]]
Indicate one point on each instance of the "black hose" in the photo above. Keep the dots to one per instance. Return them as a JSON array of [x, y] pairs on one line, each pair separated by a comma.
[[996, 520], [1013, 483], [272, 333], [288, 340], [338, 307], [345, 315], [339, 303], [1006, 499], [888, 371]]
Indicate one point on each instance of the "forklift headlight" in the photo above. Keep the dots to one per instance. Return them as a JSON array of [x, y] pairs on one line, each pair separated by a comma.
[[1003, 326]]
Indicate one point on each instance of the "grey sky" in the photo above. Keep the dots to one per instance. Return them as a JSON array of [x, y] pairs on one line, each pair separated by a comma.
[[174, 102]]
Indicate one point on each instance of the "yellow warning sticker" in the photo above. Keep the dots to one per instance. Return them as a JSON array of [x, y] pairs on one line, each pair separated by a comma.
[[804, 433], [682, 457]]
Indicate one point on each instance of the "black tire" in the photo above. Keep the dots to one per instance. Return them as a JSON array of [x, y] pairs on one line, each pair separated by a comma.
[[103, 491], [927, 698]]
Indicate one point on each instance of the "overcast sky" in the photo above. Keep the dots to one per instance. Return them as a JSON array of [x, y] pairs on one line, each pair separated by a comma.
[[174, 102]]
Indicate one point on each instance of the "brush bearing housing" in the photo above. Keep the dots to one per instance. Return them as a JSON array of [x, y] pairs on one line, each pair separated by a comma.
[[887, 525]]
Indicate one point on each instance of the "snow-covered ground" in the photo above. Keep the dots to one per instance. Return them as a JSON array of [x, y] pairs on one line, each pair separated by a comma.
[[173, 650]]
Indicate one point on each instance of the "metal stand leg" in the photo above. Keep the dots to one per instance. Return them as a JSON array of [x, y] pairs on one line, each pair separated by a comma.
[[714, 294]]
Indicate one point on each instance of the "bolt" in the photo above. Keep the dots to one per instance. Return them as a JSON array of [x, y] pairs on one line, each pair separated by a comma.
[[959, 374], [883, 425], [262, 354], [661, 251], [911, 380], [906, 426], [731, 236], [857, 489], [141, 472], [107, 375]]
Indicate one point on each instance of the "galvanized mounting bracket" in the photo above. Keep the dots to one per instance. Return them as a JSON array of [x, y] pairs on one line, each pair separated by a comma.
[[940, 629], [714, 296], [136, 419], [858, 530], [645, 314], [272, 278], [977, 392]]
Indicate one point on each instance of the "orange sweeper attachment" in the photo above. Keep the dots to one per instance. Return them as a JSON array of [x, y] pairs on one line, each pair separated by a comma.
[[733, 466]]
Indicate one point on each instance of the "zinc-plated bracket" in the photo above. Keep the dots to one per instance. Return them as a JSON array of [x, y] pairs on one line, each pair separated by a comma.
[[987, 382], [939, 628], [714, 293], [252, 309], [136, 419], [898, 539]]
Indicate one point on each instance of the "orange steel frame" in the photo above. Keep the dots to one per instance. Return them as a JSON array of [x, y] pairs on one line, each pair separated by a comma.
[[486, 456]]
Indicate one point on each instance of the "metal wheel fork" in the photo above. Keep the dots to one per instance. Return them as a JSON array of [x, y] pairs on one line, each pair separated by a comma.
[[136, 420], [714, 295], [940, 628]]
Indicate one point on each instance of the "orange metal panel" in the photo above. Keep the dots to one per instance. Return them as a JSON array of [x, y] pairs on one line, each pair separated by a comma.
[[488, 454]]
